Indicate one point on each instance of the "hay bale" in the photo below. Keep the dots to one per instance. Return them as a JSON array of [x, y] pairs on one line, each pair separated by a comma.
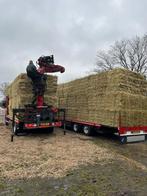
[[20, 92], [103, 97]]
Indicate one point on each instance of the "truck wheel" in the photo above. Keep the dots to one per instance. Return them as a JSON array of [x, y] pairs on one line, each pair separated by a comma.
[[51, 129], [6, 123], [87, 130], [76, 128], [15, 129]]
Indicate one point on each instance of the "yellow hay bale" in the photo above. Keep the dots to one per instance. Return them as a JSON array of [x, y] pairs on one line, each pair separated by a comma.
[[20, 92], [103, 97]]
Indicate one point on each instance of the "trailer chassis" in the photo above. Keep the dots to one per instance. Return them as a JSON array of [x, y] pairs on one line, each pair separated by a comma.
[[29, 125], [125, 134]]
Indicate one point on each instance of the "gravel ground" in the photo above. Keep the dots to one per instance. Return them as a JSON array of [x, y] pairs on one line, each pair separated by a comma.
[[54, 164]]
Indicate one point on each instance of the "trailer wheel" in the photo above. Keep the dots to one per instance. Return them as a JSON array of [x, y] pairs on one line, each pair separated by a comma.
[[76, 128], [87, 130]]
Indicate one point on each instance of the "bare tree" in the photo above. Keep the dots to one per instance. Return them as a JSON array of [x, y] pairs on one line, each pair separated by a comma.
[[104, 62], [129, 54]]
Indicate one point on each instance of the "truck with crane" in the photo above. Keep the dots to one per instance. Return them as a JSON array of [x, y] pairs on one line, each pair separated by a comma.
[[37, 114]]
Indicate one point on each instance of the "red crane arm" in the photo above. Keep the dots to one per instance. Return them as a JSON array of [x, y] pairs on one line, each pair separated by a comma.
[[51, 69]]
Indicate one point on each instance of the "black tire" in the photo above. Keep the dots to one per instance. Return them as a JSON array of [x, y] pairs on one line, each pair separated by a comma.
[[51, 129], [87, 130], [6, 123], [15, 129], [76, 128]]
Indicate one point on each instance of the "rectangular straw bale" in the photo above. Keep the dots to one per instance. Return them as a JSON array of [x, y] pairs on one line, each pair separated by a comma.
[[103, 97], [20, 92]]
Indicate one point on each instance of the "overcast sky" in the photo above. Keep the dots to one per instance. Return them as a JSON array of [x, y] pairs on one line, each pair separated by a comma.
[[72, 30]]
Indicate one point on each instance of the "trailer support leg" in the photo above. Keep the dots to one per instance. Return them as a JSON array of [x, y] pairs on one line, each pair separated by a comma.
[[12, 136], [64, 129], [64, 125]]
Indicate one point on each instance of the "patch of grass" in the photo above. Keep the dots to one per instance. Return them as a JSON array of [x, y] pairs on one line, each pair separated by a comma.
[[2, 186], [18, 190]]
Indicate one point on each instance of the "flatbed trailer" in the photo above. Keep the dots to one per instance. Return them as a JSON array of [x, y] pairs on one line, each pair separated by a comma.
[[28, 118], [126, 134]]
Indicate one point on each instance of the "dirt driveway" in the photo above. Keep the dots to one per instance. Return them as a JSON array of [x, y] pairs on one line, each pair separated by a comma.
[[54, 164]]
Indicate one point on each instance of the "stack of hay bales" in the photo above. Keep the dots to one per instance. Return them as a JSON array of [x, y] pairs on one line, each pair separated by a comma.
[[102, 98], [20, 92]]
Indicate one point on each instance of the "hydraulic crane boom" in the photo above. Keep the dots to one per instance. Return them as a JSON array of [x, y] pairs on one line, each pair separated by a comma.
[[51, 69], [46, 65]]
